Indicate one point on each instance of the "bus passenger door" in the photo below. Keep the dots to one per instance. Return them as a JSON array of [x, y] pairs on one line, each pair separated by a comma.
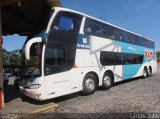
[[60, 53], [59, 60]]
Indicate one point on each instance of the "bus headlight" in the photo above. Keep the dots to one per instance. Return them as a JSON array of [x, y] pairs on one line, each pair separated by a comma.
[[33, 86]]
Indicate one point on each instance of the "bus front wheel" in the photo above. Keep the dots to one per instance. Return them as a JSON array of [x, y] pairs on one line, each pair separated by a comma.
[[89, 84]]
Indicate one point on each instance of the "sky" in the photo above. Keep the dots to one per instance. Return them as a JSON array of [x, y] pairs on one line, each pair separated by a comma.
[[139, 16]]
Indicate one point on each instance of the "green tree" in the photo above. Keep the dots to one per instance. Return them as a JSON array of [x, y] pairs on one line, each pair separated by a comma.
[[14, 58], [158, 56], [5, 55]]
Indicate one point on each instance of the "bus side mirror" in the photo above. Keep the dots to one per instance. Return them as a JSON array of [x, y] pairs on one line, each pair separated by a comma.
[[29, 44]]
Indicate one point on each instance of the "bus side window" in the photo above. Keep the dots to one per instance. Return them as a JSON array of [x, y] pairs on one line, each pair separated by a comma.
[[127, 59], [137, 59], [131, 38], [121, 35], [139, 41], [108, 32], [115, 35], [87, 29], [92, 27]]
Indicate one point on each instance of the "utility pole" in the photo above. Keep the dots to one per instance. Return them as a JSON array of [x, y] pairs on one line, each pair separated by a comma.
[[1, 64]]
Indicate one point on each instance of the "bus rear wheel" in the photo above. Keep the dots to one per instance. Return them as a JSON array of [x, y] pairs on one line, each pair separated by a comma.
[[145, 72], [89, 84], [149, 71], [107, 81]]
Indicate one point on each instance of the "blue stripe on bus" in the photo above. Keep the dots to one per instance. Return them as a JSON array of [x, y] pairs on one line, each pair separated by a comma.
[[129, 71]]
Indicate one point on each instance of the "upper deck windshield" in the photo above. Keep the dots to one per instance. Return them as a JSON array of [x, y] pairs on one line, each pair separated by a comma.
[[67, 22]]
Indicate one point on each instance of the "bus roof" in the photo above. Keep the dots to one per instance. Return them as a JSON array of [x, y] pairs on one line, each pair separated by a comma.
[[69, 10]]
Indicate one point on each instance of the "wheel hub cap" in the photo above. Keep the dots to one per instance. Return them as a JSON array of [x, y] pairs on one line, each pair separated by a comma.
[[89, 84], [107, 81]]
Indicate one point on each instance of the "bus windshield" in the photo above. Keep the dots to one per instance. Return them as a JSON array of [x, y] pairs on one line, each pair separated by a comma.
[[33, 66], [62, 42]]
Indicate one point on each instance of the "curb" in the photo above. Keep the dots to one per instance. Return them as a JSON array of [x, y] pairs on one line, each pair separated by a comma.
[[45, 109], [35, 113]]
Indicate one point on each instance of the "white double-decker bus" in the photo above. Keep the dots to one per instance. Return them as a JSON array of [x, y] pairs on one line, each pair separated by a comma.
[[77, 52]]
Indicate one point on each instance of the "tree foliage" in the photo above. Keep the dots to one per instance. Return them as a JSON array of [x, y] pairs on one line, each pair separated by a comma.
[[158, 56], [14, 58], [5, 55]]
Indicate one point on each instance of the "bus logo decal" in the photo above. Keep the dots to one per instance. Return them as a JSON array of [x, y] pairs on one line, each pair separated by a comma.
[[83, 42], [148, 54]]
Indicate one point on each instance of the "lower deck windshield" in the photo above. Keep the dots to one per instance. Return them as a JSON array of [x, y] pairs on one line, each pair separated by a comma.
[[33, 66]]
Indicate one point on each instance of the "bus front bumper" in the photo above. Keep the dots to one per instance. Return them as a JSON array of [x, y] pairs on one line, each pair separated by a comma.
[[33, 93]]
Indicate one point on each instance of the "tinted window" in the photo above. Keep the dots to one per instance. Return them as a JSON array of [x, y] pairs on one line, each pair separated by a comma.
[[67, 22], [127, 59], [55, 60], [132, 38], [148, 43], [139, 41], [121, 35], [55, 57], [106, 58], [93, 28], [108, 32], [152, 45], [132, 58], [110, 58], [116, 58], [58, 58], [96, 28], [113, 33], [138, 59]]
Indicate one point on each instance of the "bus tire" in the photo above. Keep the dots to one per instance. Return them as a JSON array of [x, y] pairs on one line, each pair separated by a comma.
[[145, 73], [149, 71], [107, 81], [89, 84]]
